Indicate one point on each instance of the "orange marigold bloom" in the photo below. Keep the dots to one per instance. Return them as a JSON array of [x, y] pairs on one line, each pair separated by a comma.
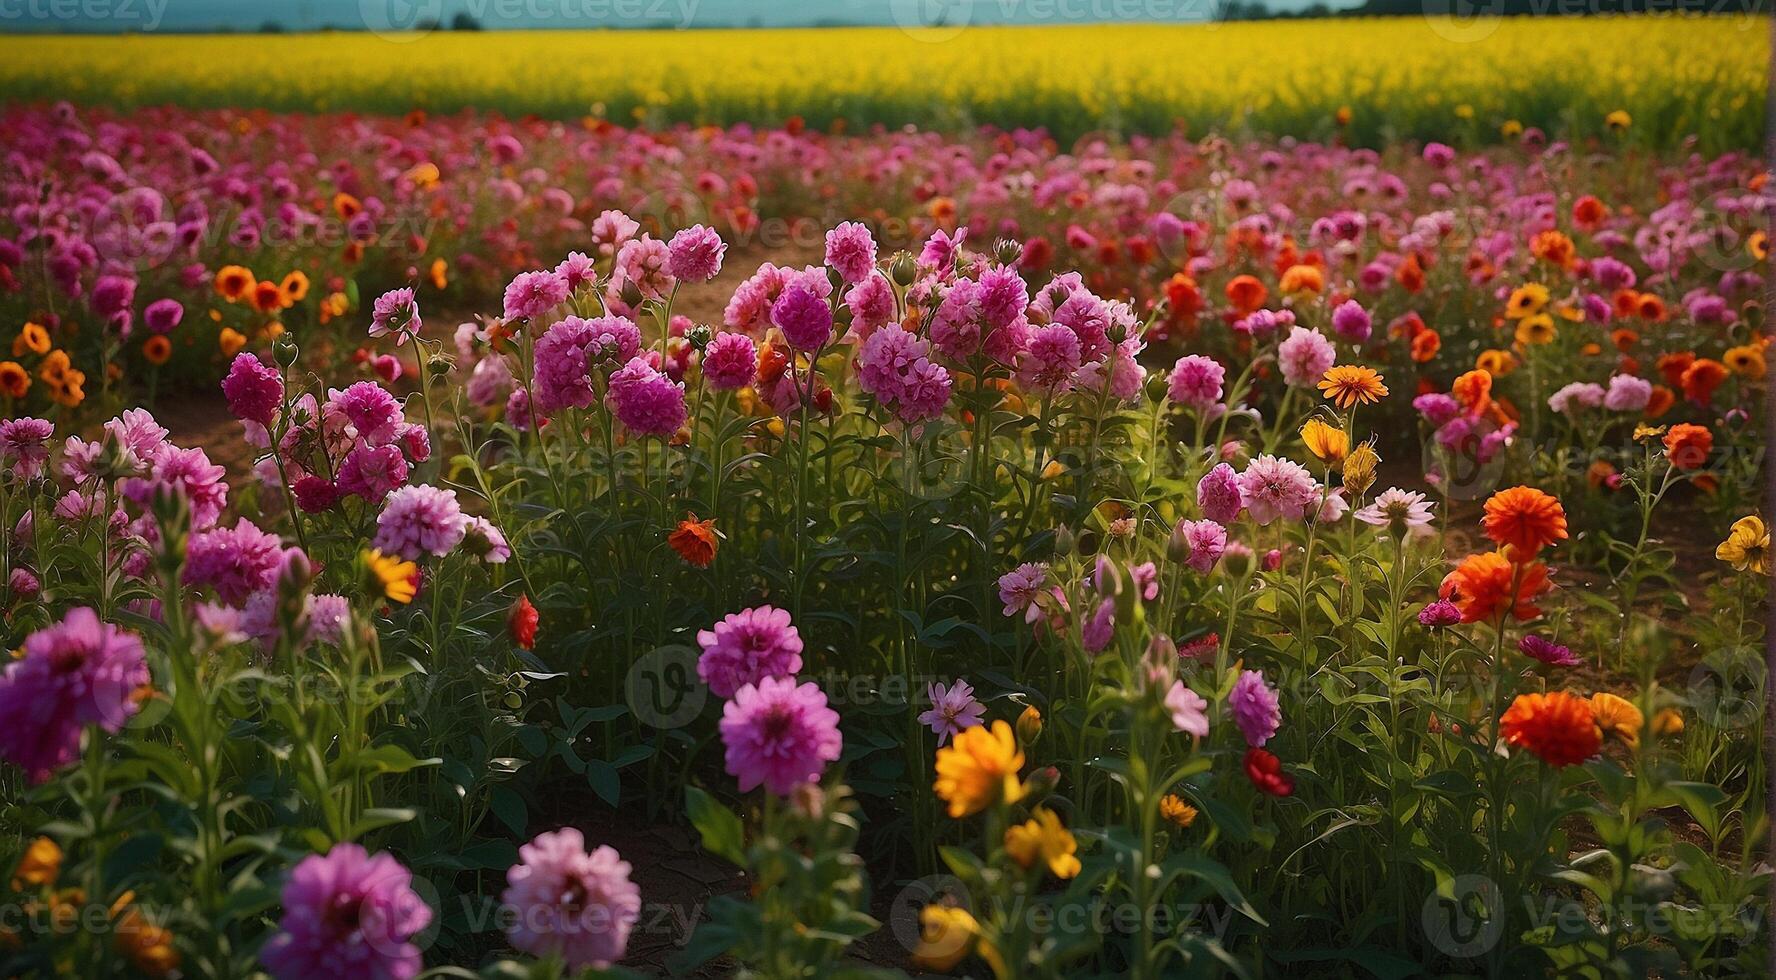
[[31, 337], [695, 541], [157, 350], [1481, 587], [231, 341], [267, 297], [1552, 247], [1687, 446], [14, 379], [1617, 716], [1525, 518], [1352, 384], [1746, 360], [234, 282], [294, 288], [1473, 390], [1246, 293], [1302, 279], [346, 206], [1558, 727], [1426, 345], [1624, 339], [1702, 378], [1496, 362], [1650, 307]]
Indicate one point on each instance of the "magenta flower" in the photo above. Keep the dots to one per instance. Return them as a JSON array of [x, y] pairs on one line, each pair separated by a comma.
[[779, 735], [1096, 633], [567, 352], [534, 293], [1351, 321], [851, 252], [1255, 708], [396, 312], [1049, 362], [803, 316], [1196, 382], [730, 361], [569, 903], [76, 673], [895, 367], [576, 270], [646, 401], [1304, 357], [254, 390], [695, 254], [1547, 651], [951, 710], [1020, 589], [420, 520], [1188, 710], [188, 473], [1273, 487], [1207, 541], [366, 410], [1441, 612], [1218, 494], [347, 913], [237, 561], [163, 315], [371, 472], [24, 445], [747, 647]]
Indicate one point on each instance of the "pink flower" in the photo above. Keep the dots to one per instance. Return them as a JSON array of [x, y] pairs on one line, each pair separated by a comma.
[[567, 351], [1020, 589], [188, 473], [851, 252], [1547, 651], [646, 401], [576, 270], [695, 254], [569, 903], [1219, 496], [485, 541], [871, 303], [1050, 360], [367, 410], [894, 366], [76, 673], [236, 561], [370, 472], [534, 293], [951, 710], [1207, 541], [163, 315], [1351, 321], [419, 520], [1406, 509], [642, 262], [1196, 382], [396, 312], [747, 647], [254, 390], [730, 361], [347, 913], [1273, 487], [1627, 393], [1255, 708], [24, 445], [1188, 710], [779, 735], [803, 316], [1304, 357]]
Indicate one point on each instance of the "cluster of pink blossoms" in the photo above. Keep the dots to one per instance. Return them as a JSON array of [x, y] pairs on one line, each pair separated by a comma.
[[778, 733]]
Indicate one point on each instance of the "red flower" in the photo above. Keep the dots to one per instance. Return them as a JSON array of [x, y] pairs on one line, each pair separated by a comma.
[[694, 540], [1266, 772], [522, 622]]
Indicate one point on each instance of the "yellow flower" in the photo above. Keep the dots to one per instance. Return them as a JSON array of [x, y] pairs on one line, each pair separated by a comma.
[[1667, 721], [148, 946], [1746, 360], [1643, 432], [439, 274], [1359, 469], [231, 341], [1044, 837], [1495, 362], [31, 337], [1526, 300], [391, 577], [293, 290], [1747, 547], [946, 933], [979, 768], [1617, 716], [1618, 121], [1353, 384], [40, 867], [423, 175], [1176, 812], [1327, 442], [1029, 725], [1534, 330]]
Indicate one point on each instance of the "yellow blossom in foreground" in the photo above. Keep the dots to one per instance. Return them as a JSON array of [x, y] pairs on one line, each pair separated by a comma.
[[946, 933], [1353, 384], [1617, 716], [1176, 812], [393, 578], [1046, 839], [978, 768], [1327, 442]]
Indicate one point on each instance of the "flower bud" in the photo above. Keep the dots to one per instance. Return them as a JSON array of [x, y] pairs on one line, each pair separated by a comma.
[[1064, 541], [1178, 545], [699, 337], [1029, 726], [1008, 251], [438, 365], [1359, 470], [904, 269], [285, 350], [631, 294]]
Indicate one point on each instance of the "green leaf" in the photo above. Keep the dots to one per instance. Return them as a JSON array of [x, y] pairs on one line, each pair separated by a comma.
[[717, 825], [509, 807]]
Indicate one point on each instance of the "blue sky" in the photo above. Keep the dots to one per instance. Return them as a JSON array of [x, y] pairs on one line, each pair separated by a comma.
[[198, 15]]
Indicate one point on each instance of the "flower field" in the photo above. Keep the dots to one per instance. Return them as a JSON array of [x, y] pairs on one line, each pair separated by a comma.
[[458, 544]]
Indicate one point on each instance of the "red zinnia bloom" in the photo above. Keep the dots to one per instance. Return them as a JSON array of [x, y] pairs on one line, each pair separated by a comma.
[[1687, 445], [694, 540], [1266, 772], [1558, 727], [522, 622], [1525, 518]]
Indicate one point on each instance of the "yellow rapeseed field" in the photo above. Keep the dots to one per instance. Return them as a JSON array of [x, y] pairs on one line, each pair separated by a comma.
[[1403, 77]]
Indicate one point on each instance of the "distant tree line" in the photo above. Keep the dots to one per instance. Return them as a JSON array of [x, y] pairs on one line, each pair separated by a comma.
[[1260, 10]]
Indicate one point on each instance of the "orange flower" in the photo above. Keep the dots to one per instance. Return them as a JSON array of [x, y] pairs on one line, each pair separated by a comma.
[[1352, 384], [234, 282], [1650, 307], [1552, 247], [157, 350], [1246, 293], [1496, 362], [1746, 360], [439, 274], [54, 367], [1687, 446], [346, 206], [294, 288], [1474, 391], [1301, 279], [1661, 402], [1558, 727], [1673, 366], [231, 341], [1410, 275], [267, 297], [14, 379], [1588, 212], [1525, 519], [1426, 345], [695, 541], [1624, 339], [1701, 378], [31, 337], [1481, 587]]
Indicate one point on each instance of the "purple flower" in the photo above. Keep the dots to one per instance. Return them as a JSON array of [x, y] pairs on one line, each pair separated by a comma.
[[747, 647], [951, 710], [646, 401], [779, 735], [486, 542], [569, 903], [24, 445], [237, 561], [804, 318], [1096, 633], [420, 520], [1196, 382], [347, 914], [1188, 710], [567, 351], [695, 254], [1627, 393], [1218, 494], [1547, 651], [1351, 321], [1207, 541], [76, 673], [254, 390], [371, 472], [396, 312], [1273, 487], [112, 295], [851, 252], [1436, 407], [1020, 588], [1442, 612], [1576, 395], [534, 293], [730, 361], [163, 315], [1255, 708]]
